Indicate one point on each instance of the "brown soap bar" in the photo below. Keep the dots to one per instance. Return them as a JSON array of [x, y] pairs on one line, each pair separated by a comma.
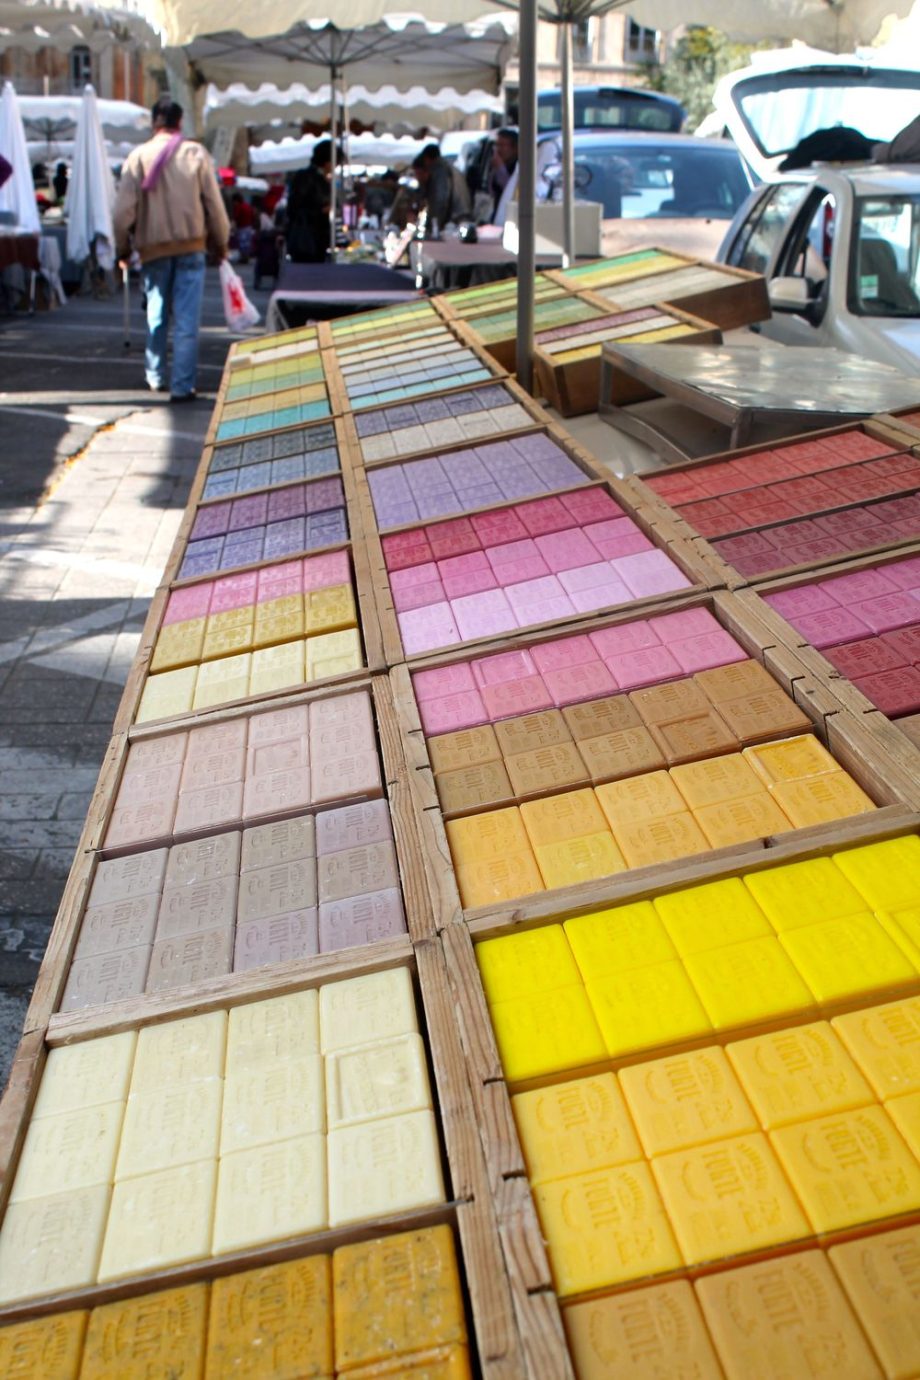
[[361, 920], [357, 871], [215, 740], [277, 725], [756, 717], [596, 717], [278, 939], [286, 841], [473, 788], [276, 794], [626, 752], [698, 735], [119, 879], [663, 704], [165, 750], [350, 826], [287, 754], [214, 770], [357, 775], [546, 769], [106, 978], [211, 807], [125, 924], [275, 890], [470, 747], [197, 907], [203, 860], [190, 958], [736, 679], [547, 728]]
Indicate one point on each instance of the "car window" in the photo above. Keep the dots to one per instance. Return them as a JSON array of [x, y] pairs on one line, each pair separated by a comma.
[[884, 275], [810, 245], [642, 180], [610, 109], [757, 239]]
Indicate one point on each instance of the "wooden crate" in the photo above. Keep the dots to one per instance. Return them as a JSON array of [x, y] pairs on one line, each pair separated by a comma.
[[455, 305], [503, 348], [906, 420]]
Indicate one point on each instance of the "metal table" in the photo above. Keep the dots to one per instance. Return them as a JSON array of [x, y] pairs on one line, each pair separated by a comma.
[[770, 389], [326, 288]]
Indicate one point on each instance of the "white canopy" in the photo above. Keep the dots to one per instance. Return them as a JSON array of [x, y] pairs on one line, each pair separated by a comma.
[[56, 117], [840, 26], [365, 150], [385, 108], [91, 191], [183, 21], [60, 24], [17, 194]]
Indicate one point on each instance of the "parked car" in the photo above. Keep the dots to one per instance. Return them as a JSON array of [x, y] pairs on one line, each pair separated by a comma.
[[612, 107]]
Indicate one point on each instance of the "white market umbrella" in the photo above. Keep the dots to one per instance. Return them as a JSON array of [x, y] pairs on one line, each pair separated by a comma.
[[386, 107], [54, 118], [366, 150], [18, 193], [91, 191]]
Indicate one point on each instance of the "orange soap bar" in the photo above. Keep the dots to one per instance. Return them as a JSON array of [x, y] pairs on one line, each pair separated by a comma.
[[885, 1042], [695, 736], [574, 815], [879, 1274], [740, 821], [488, 836], [494, 880], [819, 799], [686, 1099], [156, 1334], [659, 840], [579, 860], [716, 780], [791, 759], [653, 796], [575, 1127], [443, 1363], [274, 1323], [655, 1333], [44, 1348], [797, 1074]]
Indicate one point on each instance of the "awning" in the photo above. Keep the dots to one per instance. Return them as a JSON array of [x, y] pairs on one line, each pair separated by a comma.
[[385, 107], [364, 150]]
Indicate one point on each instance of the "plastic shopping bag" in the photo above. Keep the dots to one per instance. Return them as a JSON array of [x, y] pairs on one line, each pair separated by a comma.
[[239, 312]]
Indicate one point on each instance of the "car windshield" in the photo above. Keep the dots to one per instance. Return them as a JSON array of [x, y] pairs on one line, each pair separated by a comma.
[[877, 103], [609, 110], [885, 257], [633, 181]]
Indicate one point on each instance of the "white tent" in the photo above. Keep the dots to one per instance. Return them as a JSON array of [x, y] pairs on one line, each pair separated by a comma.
[[837, 25], [365, 150], [91, 192], [53, 118], [385, 108], [17, 195]]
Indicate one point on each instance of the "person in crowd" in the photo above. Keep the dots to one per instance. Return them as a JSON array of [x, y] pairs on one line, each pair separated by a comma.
[[503, 177], [59, 181], [445, 189], [267, 239], [308, 202], [169, 206], [243, 216]]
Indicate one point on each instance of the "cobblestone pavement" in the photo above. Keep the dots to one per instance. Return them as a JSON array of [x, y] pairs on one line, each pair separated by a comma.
[[94, 474]]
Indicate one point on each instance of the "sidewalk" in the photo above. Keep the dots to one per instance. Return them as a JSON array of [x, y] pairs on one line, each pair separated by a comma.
[[94, 474]]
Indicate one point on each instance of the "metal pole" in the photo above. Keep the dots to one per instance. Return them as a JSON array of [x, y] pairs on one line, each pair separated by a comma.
[[568, 151], [333, 103], [527, 187]]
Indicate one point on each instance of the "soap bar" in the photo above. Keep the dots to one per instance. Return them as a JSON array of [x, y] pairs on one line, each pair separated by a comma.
[[494, 880], [742, 820], [384, 1079], [748, 982], [790, 760], [647, 1007], [353, 826], [190, 958], [276, 890], [712, 915], [86, 1074], [177, 1123], [787, 1316], [122, 879], [612, 941], [846, 957], [361, 920], [203, 860], [52, 1243], [158, 1220], [655, 1331], [272, 1324], [685, 1100], [574, 1128], [468, 747], [197, 906], [474, 788], [264, 1032], [620, 753], [180, 1051], [820, 799], [46, 1348], [798, 1074], [596, 717], [212, 807], [359, 1010], [287, 841], [573, 815], [640, 798], [118, 925], [270, 1192], [161, 1333], [68, 1151], [277, 939], [803, 893], [652, 841], [357, 871], [878, 1274], [546, 769], [885, 1043], [579, 860], [887, 873], [536, 1038], [531, 731], [264, 1105], [106, 978], [382, 1167]]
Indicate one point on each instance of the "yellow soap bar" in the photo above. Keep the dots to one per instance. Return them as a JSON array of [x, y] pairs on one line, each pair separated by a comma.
[[377, 1006], [904, 928], [173, 1124], [264, 1032], [373, 1081], [879, 1274], [728, 1197], [180, 1051], [686, 1099], [704, 917], [221, 641], [537, 1036], [605, 1228], [850, 1168], [578, 860], [715, 779], [741, 984], [160, 1334], [178, 644], [848, 957], [798, 1074], [395, 1296], [822, 798], [279, 620], [523, 964], [221, 681], [382, 1167], [442, 1363], [887, 874], [329, 609], [86, 1074], [573, 815], [272, 1324], [493, 880], [271, 1192], [74, 1149], [611, 941], [157, 1220], [646, 1008], [785, 1317], [653, 841], [276, 668], [484, 837], [740, 821], [641, 1335], [167, 695], [790, 759], [271, 1102], [53, 1243], [46, 1348], [574, 1128], [905, 1113], [803, 893], [229, 620], [639, 798], [885, 1043], [334, 654]]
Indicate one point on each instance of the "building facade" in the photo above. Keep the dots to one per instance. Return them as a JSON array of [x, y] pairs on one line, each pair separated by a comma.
[[611, 50]]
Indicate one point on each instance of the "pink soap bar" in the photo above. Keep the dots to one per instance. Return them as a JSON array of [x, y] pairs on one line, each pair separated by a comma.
[[418, 596], [582, 577], [867, 657], [322, 572], [361, 920], [234, 592], [571, 684], [650, 572], [672, 627], [162, 751], [358, 775], [469, 582], [646, 666], [905, 574], [546, 611], [611, 643], [122, 879], [215, 770], [197, 906], [210, 807], [351, 826], [543, 515], [702, 653], [563, 652], [483, 615], [499, 525], [889, 611], [123, 924], [591, 505], [828, 626], [535, 592], [278, 725], [147, 822], [149, 783], [627, 543], [564, 550], [401, 580], [286, 575], [600, 596], [279, 939], [433, 626], [106, 978], [443, 680], [861, 585], [805, 599], [193, 601], [287, 754], [503, 666], [515, 697], [517, 572], [453, 712], [511, 552], [455, 537], [207, 740]]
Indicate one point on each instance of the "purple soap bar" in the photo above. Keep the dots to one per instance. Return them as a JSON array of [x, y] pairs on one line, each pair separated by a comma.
[[361, 920], [193, 565], [286, 503], [248, 512], [279, 939], [211, 521], [350, 826]]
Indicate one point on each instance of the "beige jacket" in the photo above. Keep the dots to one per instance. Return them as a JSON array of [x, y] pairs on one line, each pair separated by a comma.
[[182, 213]]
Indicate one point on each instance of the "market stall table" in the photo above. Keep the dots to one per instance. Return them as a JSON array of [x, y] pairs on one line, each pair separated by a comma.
[[322, 288]]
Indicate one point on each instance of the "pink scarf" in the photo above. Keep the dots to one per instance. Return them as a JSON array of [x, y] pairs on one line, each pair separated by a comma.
[[159, 163]]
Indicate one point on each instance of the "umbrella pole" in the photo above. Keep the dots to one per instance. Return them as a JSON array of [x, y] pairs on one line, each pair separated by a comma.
[[568, 151], [333, 74], [527, 185]]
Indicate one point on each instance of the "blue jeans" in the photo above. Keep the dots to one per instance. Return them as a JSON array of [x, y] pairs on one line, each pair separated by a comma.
[[174, 287]]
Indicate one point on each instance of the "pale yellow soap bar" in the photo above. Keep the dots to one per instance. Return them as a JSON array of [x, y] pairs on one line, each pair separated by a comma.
[[276, 668], [685, 1100], [383, 1167], [792, 1075], [334, 654], [86, 1074], [167, 694], [378, 1080], [222, 681], [180, 1051], [67, 1151], [50, 1244], [656, 1333], [158, 1220], [574, 1128], [158, 1334], [48, 1348], [271, 1192], [364, 1009], [265, 1103], [176, 1123], [264, 1032], [272, 1324]]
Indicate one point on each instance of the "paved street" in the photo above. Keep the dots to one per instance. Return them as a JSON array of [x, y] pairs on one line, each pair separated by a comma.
[[94, 473]]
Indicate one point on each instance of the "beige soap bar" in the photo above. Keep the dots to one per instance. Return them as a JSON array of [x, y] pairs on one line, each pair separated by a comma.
[[270, 1193], [158, 1220], [271, 1102], [265, 1032], [382, 1167], [49, 1244], [364, 1009], [177, 1123], [68, 1151], [378, 1080], [86, 1074], [180, 1051]]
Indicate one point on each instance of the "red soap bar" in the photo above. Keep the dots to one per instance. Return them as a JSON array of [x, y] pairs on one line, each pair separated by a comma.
[[544, 515], [865, 657], [894, 692], [903, 643], [499, 525], [454, 538]]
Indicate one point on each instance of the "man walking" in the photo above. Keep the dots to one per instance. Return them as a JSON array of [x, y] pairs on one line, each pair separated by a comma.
[[169, 204]]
